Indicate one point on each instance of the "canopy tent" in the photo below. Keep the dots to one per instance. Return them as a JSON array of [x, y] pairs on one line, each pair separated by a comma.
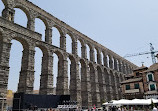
[[131, 102]]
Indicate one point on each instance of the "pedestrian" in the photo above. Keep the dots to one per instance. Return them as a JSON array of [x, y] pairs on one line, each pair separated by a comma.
[[113, 108], [122, 109], [119, 109], [154, 108], [51, 109]]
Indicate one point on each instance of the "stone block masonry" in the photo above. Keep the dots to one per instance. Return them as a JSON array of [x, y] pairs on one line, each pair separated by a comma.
[[99, 81]]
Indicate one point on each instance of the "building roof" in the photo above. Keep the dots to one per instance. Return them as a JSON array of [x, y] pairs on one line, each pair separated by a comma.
[[132, 80], [152, 67], [139, 68], [129, 75]]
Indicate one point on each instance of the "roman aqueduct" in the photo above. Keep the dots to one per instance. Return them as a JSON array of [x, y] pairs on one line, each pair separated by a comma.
[[99, 80]]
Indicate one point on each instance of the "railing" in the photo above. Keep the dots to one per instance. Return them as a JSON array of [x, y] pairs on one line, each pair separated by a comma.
[[152, 92], [132, 91]]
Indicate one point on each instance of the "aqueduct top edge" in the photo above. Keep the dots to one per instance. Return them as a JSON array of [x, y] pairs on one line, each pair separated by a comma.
[[50, 17]]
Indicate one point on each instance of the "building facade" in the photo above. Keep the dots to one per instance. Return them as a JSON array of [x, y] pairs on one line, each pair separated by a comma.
[[150, 80], [142, 83]]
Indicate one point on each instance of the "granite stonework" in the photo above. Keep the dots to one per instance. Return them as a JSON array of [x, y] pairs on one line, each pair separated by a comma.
[[99, 81]]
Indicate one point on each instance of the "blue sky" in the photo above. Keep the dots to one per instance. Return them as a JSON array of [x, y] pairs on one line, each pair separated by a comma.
[[124, 26]]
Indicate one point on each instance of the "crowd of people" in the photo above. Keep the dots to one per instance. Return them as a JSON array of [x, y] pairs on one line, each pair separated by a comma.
[[50, 109], [145, 108]]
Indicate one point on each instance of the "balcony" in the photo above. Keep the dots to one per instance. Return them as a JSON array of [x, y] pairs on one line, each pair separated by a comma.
[[151, 92], [132, 91]]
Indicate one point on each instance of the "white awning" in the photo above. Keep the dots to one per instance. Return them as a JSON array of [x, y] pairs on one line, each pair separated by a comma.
[[131, 102]]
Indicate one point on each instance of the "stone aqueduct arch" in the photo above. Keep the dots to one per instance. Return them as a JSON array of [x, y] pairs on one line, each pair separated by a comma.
[[99, 81]]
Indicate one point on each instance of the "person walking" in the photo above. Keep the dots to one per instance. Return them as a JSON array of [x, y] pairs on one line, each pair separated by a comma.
[[154, 109], [119, 109], [51, 109]]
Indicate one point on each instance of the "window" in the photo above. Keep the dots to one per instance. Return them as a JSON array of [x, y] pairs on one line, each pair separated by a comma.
[[152, 87], [127, 87], [150, 77], [136, 86], [137, 74]]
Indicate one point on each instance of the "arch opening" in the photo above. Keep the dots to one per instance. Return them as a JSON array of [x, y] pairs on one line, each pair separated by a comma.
[[128, 72], [102, 58], [127, 69], [108, 60], [57, 69], [79, 71], [88, 51], [2, 6], [130, 69], [38, 68], [69, 41], [79, 48], [95, 55], [123, 67], [56, 37], [15, 57], [20, 17], [121, 77], [72, 74], [113, 65], [117, 64], [40, 27], [69, 73], [120, 66]]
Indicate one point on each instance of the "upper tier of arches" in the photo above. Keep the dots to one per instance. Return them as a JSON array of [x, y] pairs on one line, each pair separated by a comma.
[[90, 50]]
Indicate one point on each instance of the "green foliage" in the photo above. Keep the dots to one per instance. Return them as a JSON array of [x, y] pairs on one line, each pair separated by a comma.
[[152, 104], [103, 101]]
